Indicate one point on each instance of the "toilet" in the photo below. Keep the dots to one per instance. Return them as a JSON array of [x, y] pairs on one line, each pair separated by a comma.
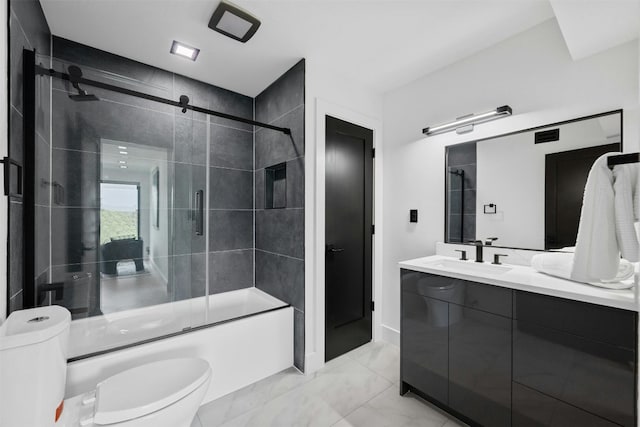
[[33, 364]]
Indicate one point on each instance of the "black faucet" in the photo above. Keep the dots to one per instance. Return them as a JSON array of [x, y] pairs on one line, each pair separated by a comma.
[[478, 244]]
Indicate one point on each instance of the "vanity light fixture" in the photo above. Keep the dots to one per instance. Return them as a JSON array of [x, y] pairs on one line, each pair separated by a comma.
[[465, 124], [234, 22], [181, 49]]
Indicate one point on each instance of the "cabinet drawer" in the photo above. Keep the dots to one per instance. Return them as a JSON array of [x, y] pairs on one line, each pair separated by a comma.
[[596, 377], [492, 299], [533, 409], [595, 322]]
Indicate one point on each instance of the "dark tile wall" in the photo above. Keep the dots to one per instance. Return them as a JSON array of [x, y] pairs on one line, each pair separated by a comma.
[[280, 232], [78, 128], [461, 204], [28, 29], [248, 245]]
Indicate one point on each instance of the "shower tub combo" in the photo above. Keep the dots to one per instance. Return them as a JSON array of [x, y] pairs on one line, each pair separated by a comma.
[[137, 180]]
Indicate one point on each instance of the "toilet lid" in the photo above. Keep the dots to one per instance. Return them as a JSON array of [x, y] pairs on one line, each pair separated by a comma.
[[148, 388]]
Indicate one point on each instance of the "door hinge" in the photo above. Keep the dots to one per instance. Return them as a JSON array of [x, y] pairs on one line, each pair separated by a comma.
[[373, 306], [373, 152], [373, 229]]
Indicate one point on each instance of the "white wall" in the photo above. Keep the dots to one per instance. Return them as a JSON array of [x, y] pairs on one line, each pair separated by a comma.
[[511, 174], [534, 74], [326, 94], [4, 149]]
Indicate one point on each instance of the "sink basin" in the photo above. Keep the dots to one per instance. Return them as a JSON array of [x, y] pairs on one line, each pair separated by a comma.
[[467, 266]]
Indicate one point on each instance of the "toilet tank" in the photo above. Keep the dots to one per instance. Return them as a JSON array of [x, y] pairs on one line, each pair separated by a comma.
[[33, 366]]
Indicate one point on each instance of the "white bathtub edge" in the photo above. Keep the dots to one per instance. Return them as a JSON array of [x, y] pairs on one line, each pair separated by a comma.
[[240, 352]]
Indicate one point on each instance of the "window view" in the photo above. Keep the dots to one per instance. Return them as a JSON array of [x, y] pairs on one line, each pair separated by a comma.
[[119, 211]]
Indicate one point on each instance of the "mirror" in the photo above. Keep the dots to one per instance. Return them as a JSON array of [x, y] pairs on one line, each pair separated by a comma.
[[525, 188]]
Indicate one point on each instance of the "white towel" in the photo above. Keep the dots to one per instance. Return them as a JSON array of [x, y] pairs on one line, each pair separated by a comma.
[[627, 210], [597, 255], [560, 265]]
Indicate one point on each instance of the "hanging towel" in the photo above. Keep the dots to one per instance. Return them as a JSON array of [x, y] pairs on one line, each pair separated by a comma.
[[560, 265], [597, 255], [627, 210]]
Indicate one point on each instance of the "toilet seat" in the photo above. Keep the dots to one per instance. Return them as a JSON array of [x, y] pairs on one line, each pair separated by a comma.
[[148, 388]]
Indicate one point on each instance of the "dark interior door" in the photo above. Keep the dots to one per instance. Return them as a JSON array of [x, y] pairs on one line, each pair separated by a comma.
[[349, 227], [566, 175]]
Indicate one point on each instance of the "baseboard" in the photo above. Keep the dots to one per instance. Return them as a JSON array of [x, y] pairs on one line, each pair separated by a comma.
[[390, 335], [313, 362]]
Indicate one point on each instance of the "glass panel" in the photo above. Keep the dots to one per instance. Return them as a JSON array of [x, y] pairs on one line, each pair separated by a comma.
[[122, 212], [127, 191]]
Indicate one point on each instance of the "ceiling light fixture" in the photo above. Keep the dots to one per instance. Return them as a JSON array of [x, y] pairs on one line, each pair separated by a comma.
[[181, 49], [465, 124], [122, 147], [124, 153], [234, 22]]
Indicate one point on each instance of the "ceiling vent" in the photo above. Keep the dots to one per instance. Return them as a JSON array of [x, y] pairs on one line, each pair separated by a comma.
[[547, 136], [234, 22]]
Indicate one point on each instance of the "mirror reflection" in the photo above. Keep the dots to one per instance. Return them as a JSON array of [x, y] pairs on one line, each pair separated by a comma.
[[524, 190]]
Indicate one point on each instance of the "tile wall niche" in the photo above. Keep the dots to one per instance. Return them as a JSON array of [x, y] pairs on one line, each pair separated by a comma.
[[280, 231]]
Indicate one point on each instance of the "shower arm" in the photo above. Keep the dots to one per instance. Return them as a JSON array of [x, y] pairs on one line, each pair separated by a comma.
[[74, 80]]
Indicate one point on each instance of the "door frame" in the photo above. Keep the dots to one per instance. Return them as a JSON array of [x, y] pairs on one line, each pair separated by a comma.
[[315, 295]]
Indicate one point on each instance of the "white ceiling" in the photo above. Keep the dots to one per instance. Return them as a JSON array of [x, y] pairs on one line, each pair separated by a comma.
[[380, 44], [592, 26]]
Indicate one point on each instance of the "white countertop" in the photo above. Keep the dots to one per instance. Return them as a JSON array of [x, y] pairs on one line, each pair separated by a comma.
[[527, 279]]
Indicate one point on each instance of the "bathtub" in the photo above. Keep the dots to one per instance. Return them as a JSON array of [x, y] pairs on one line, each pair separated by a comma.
[[246, 335]]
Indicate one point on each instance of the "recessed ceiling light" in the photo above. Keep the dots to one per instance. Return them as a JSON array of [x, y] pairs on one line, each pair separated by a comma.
[[122, 147], [234, 22], [123, 167], [124, 153], [122, 162], [181, 49]]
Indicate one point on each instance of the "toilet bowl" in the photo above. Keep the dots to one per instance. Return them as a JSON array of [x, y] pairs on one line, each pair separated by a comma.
[[165, 393]]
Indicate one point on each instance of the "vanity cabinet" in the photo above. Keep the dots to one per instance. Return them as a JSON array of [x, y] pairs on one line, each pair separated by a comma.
[[456, 345], [500, 357], [581, 354]]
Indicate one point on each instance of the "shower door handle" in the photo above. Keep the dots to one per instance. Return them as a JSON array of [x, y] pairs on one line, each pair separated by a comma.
[[199, 213]]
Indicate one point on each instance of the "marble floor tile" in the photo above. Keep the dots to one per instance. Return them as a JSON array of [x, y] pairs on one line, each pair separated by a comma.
[[360, 388], [295, 408], [382, 358], [347, 386], [248, 398], [389, 409]]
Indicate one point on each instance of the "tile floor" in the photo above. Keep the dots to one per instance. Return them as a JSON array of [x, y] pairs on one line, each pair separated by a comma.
[[358, 389]]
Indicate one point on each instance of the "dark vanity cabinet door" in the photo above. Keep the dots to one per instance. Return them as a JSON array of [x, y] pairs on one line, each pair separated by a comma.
[[424, 342], [580, 354], [480, 366]]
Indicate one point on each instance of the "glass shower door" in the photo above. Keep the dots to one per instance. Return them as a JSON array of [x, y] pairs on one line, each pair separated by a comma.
[[126, 211]]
